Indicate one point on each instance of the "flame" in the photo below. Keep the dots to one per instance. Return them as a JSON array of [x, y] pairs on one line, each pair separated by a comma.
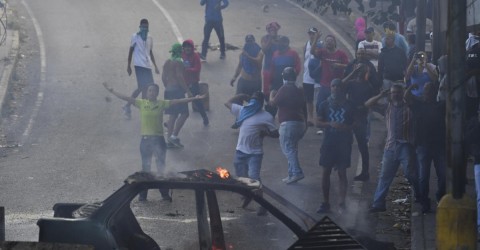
[[224, 174]]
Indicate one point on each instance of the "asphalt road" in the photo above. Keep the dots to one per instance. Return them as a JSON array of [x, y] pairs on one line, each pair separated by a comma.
[[74, 144]]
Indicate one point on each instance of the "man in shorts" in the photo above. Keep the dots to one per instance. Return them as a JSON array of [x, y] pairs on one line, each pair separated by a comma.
[[175, 88], [336, 116]]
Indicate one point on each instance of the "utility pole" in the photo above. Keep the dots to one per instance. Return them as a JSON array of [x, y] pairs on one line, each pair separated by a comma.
[[420, 19], [456, 213]]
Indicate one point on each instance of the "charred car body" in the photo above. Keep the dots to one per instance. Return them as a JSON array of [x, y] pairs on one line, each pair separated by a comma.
[[120, 222]]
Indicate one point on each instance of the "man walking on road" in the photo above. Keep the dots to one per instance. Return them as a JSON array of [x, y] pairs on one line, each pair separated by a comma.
[[255, 123], [175, 88], [193, 66], [292, 118], [151, 118], [269, 45], [213, 21], [141, 52]]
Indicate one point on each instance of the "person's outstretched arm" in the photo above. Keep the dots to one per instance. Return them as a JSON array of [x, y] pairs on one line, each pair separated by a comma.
[[119, 95]]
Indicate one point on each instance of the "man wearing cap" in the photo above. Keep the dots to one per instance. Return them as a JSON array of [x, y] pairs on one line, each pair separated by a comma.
[[249, 68], [308, 81], [371, 47], [213, 21], [269, 45]]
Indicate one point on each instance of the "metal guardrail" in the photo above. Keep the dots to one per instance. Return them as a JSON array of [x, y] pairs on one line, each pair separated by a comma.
[[326, 235]]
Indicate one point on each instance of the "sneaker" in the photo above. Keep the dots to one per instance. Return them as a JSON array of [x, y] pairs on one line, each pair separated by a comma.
[[342, 208], [166, 198], [320, 132], [324, 208], [203, 58], [175, 142], [376, 210], [362, 177], [127, 112], [205, 121], [295, 178], [286, 179], [170, 145], [261, 211], [222, 56]]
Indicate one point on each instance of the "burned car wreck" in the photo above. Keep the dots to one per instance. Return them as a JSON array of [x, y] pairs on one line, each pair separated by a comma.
[[200, 216]]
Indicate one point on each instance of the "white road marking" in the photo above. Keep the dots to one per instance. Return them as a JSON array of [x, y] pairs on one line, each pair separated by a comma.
[[180, 220], [169, 18], [21, 218], [43, 70], [337, 35]]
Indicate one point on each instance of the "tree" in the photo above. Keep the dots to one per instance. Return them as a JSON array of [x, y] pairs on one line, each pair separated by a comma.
[[376, 15]]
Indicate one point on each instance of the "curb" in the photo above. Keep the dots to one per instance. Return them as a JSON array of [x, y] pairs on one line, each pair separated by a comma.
[[8, 69]]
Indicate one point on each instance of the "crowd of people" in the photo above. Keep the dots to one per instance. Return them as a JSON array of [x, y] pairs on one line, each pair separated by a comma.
[[337, 95]]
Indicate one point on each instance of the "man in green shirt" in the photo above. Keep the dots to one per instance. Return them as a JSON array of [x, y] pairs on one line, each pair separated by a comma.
[[151, 117]]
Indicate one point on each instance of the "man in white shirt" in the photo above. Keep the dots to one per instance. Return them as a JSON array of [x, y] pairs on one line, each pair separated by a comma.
[[254, 123], [371, 47], [308, 81], [141, 52]]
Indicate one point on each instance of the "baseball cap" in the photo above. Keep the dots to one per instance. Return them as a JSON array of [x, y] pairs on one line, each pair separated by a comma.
[[312, 30], [249, 38], [369, 30]]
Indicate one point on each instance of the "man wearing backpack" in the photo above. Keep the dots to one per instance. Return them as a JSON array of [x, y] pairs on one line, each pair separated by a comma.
[[308, 80]]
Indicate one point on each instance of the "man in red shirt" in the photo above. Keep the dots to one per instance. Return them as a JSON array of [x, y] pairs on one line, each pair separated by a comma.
[[192, 65], [282, 58], [334, 61]]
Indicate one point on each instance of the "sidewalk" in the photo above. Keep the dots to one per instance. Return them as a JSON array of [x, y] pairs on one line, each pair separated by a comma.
[[8, 59], [422, 226]]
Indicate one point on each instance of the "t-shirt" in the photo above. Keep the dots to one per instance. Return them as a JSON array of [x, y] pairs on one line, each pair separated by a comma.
[[151, 115], [371, 47], [280, 61], [306, 74], [343, 113], [358, 93], [328, 59], [141, 50], [249, 139], [430, 123], [291, 103], [420, 78]]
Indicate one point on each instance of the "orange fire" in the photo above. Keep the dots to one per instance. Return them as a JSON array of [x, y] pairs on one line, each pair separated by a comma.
[[223, 173]]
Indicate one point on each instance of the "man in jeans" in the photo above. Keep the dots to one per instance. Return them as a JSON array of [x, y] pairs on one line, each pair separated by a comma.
[[255, 123], [399, 148], [213, 21], [151, 117], [292, 115], [429, 140], [141, 53], [193, 66]]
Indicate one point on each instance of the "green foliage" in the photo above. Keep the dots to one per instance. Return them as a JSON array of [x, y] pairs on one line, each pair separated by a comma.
[[374, 13]]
